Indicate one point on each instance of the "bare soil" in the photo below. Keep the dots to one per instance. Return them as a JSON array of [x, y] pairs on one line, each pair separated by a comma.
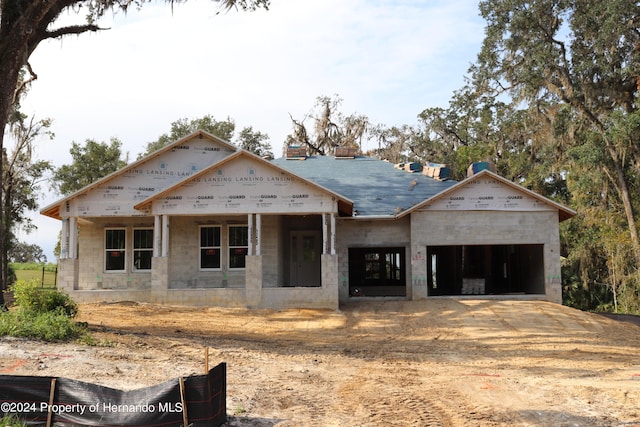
[[441, 362]]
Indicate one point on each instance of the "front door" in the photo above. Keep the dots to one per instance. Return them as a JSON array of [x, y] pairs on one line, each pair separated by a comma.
[[305, 250]]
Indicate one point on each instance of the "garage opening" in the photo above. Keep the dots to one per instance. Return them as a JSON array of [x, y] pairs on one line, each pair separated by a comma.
[[485, 269], [377, 272]]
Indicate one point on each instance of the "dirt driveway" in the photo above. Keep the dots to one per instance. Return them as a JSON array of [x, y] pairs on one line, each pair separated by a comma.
[[440, 362]]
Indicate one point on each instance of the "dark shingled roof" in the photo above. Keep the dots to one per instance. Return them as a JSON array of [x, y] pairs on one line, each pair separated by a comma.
[[375, 186]]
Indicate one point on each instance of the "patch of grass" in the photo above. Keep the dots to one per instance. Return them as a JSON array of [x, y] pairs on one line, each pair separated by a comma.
[[239, 410], [28, 271], [10, 420]]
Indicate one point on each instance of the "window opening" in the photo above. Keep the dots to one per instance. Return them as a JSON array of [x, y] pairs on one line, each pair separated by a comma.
[[142, 248], [238, 245], [210, 247], [115, 253]]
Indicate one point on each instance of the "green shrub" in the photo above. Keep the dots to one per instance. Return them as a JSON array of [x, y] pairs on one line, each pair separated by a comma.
[[30, 296], [45, 314], [48, 326]]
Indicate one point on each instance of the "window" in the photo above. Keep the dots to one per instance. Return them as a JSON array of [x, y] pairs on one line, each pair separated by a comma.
[[209, 247], [115, 254], [142, 248], [238, 245]]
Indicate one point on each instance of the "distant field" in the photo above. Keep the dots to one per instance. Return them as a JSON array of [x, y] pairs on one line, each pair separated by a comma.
[[30, 271]]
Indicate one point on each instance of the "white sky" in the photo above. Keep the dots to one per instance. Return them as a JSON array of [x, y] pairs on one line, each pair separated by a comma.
[[386, 59]]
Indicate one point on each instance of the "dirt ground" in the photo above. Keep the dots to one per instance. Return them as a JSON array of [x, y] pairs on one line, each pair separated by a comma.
[[441, 362]]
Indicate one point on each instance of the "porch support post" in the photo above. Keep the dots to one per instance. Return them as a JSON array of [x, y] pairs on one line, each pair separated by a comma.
[[258, 234], [251, 241], [325, 241], [333, 233], [160, 265], [69, 265], [157, 235], [165, 236], [64, 239], [73, 237]]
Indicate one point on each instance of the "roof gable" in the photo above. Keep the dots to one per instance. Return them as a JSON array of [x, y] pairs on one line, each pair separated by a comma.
[[488, 191], [244, 183], [116, 193]]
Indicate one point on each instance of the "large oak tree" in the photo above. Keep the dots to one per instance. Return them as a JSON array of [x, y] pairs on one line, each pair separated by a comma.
[[576, 59]]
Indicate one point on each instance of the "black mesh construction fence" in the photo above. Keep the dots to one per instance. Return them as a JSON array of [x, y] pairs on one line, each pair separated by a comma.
[[198, 401]]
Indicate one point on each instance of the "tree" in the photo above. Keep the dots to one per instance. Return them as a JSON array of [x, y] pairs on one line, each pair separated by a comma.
[[255, 141], [91, 162], [26, 23], [560, 79], [22, 175], [248, 139], [223, 129], [331, 128], [394, 143], [26, 252], [580, 54]]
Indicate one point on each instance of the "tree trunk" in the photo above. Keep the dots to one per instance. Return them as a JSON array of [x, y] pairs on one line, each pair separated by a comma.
[[623, 190], [12, 57]]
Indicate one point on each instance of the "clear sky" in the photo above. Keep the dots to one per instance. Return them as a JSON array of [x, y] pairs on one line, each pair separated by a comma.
[[386, 59]]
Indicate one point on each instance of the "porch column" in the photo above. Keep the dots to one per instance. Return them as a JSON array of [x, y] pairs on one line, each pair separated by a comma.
[[258, 234], [73, 237], [165, 236], [250, 238], [157, 235], [64, 239], [69, 264], [333, 233], [160, 264], [325, 241]]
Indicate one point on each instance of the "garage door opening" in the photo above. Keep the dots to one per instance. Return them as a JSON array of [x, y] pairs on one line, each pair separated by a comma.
[[485, 269], [377, 272]]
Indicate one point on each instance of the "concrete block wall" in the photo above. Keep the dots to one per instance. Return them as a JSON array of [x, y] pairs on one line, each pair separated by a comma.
[[431, 228], [325, 296], [68, 275], [366, 233], [195, 297], [91, 253], [184, 249]]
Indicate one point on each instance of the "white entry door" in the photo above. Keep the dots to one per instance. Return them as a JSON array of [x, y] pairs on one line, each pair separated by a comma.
[[306, 248]]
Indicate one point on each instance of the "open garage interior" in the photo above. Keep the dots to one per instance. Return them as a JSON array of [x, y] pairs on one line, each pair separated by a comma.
[[485, 269]]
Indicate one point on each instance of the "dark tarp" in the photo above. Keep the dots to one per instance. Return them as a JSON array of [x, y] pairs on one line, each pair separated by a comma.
[[76, 403]]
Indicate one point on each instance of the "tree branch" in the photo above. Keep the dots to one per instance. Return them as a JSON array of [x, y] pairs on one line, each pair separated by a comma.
[[72, 29], [24, 84]]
